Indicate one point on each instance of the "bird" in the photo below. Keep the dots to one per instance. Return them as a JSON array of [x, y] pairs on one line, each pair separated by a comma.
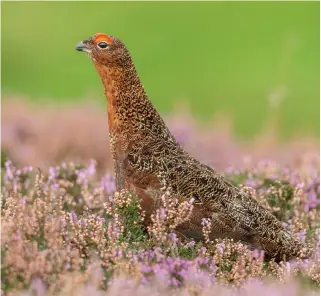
[[149, 162]]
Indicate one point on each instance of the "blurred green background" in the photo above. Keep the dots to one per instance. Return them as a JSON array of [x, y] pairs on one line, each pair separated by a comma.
[[233, 57]]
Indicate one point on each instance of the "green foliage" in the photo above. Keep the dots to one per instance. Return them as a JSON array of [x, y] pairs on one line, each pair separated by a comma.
[[238, 179], [135, 231], [191, 252], [280, 196], [4, 158]]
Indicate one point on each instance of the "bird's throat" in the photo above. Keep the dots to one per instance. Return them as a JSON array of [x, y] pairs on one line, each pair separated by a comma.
[[123, 91]]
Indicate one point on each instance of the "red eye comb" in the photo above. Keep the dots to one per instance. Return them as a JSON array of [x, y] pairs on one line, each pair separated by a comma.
[[98, 37]]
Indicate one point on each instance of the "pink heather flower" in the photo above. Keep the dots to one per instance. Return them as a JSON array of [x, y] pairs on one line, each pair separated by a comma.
[[204, 222], [229, 170], [189, 245], [81, 177], [313, 200], [9, 173], [92, 167], [38, 286], [146, 268], [220, 248], [53, 173], [302, 235], [135, 259], [288, 267], [25, 170], [73, 217], [173, 237], [251, 183], [162, 213], [100, 220], [108, 183], [173, 281], [55, 187], [144, 279], [120, 253], [212, 267], [15, 186], [202, 261], [202, 250]]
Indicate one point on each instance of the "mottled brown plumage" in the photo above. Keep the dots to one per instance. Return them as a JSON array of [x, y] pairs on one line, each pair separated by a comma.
[[149, 161]]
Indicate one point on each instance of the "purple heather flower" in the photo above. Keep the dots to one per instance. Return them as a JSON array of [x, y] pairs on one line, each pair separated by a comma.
[[204, 222], [302, 235], [251, 183], [81, 177], [108, 183], [273, 177], [202, 261], [84, 174], [55, 187], [9, 173], [220, 248], [256, 254], [15, 186], [262, 254], [162, 213], [144, 279], [173, 281], [101, 219], [229, 170], [72, 217], [53, 173], [313, 200], [16, 236], [212, 267], [135, 259], [119, 253], [146, 268], [173, 237], [288, 266], [38, 286], [91, 170], [202, 250], [190, 244]]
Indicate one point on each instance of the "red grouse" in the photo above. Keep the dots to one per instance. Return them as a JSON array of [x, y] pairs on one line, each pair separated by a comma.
[[149, 161]]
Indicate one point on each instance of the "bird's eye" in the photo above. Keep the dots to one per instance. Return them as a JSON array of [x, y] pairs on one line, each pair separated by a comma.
[[102, 44]]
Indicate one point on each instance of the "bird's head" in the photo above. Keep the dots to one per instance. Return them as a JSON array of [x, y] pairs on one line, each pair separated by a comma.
[[105, 50]]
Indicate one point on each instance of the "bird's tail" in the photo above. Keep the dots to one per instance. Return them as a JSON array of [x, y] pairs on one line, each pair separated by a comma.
[[284, 247]]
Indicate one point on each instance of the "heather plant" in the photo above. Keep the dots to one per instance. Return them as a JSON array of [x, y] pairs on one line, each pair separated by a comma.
[[66, 231]]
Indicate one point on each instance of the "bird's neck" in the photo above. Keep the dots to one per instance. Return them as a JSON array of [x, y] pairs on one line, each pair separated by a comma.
[[124, 93]]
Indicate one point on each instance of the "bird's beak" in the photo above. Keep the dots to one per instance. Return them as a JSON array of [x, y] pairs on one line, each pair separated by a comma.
[[82, 47]]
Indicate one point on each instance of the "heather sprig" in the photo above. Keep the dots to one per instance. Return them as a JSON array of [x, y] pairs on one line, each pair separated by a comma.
[[67, 222]]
